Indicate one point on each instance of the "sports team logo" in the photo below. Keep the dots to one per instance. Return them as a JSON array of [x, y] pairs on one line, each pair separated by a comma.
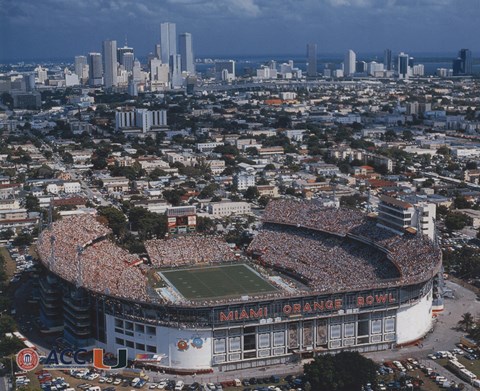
[[182, 345], [27, 359]]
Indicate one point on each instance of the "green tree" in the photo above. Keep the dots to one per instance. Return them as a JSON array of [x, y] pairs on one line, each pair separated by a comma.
[[7, 235], [23, 239], [205, 224], [208, 191], [455, 221], [443, 151], [115, 218], [7, 324], [148, 224], [390, 135], [10, 346], [407, 135], [174, 196], [32, 204], [442, 210], [466, 322], [460, 202], [345, 371], [252, 193]]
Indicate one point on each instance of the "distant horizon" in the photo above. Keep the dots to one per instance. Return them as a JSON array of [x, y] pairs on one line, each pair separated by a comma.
[[446, 55]]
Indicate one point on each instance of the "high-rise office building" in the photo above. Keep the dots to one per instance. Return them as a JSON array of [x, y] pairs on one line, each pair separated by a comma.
[[159, 75], [137, 75], [466, 57], [312, 59], [110, 63], [127, 61], [168, 41], [176, 71], [95, 69], [80, 62], [403, 65], [186, 52], [158, 53], [350, 63], [411, 62], [387, 59], [457, 66], [121, 51], [361, 67]]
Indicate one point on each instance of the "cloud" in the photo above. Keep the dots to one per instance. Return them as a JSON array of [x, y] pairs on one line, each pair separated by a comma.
[[66, 27]]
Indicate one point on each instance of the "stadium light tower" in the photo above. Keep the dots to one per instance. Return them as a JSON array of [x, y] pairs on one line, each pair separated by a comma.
[[79, 266], [51, 260]]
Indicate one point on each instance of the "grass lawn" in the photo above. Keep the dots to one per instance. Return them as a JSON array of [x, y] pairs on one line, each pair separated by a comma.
[[217, 281], [471, 365], [10, 265]]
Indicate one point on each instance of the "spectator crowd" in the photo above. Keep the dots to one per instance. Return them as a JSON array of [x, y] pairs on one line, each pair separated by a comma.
[[81, 253], [188, 250], [325, 262]]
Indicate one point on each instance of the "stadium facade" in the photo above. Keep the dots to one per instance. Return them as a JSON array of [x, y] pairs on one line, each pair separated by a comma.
[[245, 330]]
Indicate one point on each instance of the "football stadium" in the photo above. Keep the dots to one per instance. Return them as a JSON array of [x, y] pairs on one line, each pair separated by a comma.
[[313, 280]]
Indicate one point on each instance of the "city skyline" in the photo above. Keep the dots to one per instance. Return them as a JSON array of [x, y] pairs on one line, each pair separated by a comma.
[[234, 28]]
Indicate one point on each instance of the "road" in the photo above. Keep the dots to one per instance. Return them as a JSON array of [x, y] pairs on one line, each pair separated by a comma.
[[4, 385]]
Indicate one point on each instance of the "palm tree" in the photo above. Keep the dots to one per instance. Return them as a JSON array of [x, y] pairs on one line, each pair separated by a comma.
[[466, 322]]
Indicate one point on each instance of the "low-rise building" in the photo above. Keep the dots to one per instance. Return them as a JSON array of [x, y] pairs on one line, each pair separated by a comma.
[[223, 209]]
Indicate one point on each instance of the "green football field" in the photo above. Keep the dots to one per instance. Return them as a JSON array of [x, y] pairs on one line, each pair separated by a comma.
[[217, 281]]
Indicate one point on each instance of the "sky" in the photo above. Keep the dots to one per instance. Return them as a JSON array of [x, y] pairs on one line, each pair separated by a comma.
[[33, 29]]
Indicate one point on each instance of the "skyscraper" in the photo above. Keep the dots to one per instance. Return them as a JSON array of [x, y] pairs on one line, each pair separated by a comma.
[[95, 70], [349, 63], [312, 59], [80, 62], [168, 41], [457, 66], [158, 52], [121, 51], [110, 63], [387, 59], [403, 65], [186, 53], [127, 61], [466, 57]]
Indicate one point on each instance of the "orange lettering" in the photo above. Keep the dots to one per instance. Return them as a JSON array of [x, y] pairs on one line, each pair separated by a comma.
[[224, 317]]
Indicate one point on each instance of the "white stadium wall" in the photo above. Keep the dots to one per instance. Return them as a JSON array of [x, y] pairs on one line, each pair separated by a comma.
[[414, 321], [182, 348]]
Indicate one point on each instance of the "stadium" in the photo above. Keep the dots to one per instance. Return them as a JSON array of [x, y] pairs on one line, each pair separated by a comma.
[[313, 280]]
